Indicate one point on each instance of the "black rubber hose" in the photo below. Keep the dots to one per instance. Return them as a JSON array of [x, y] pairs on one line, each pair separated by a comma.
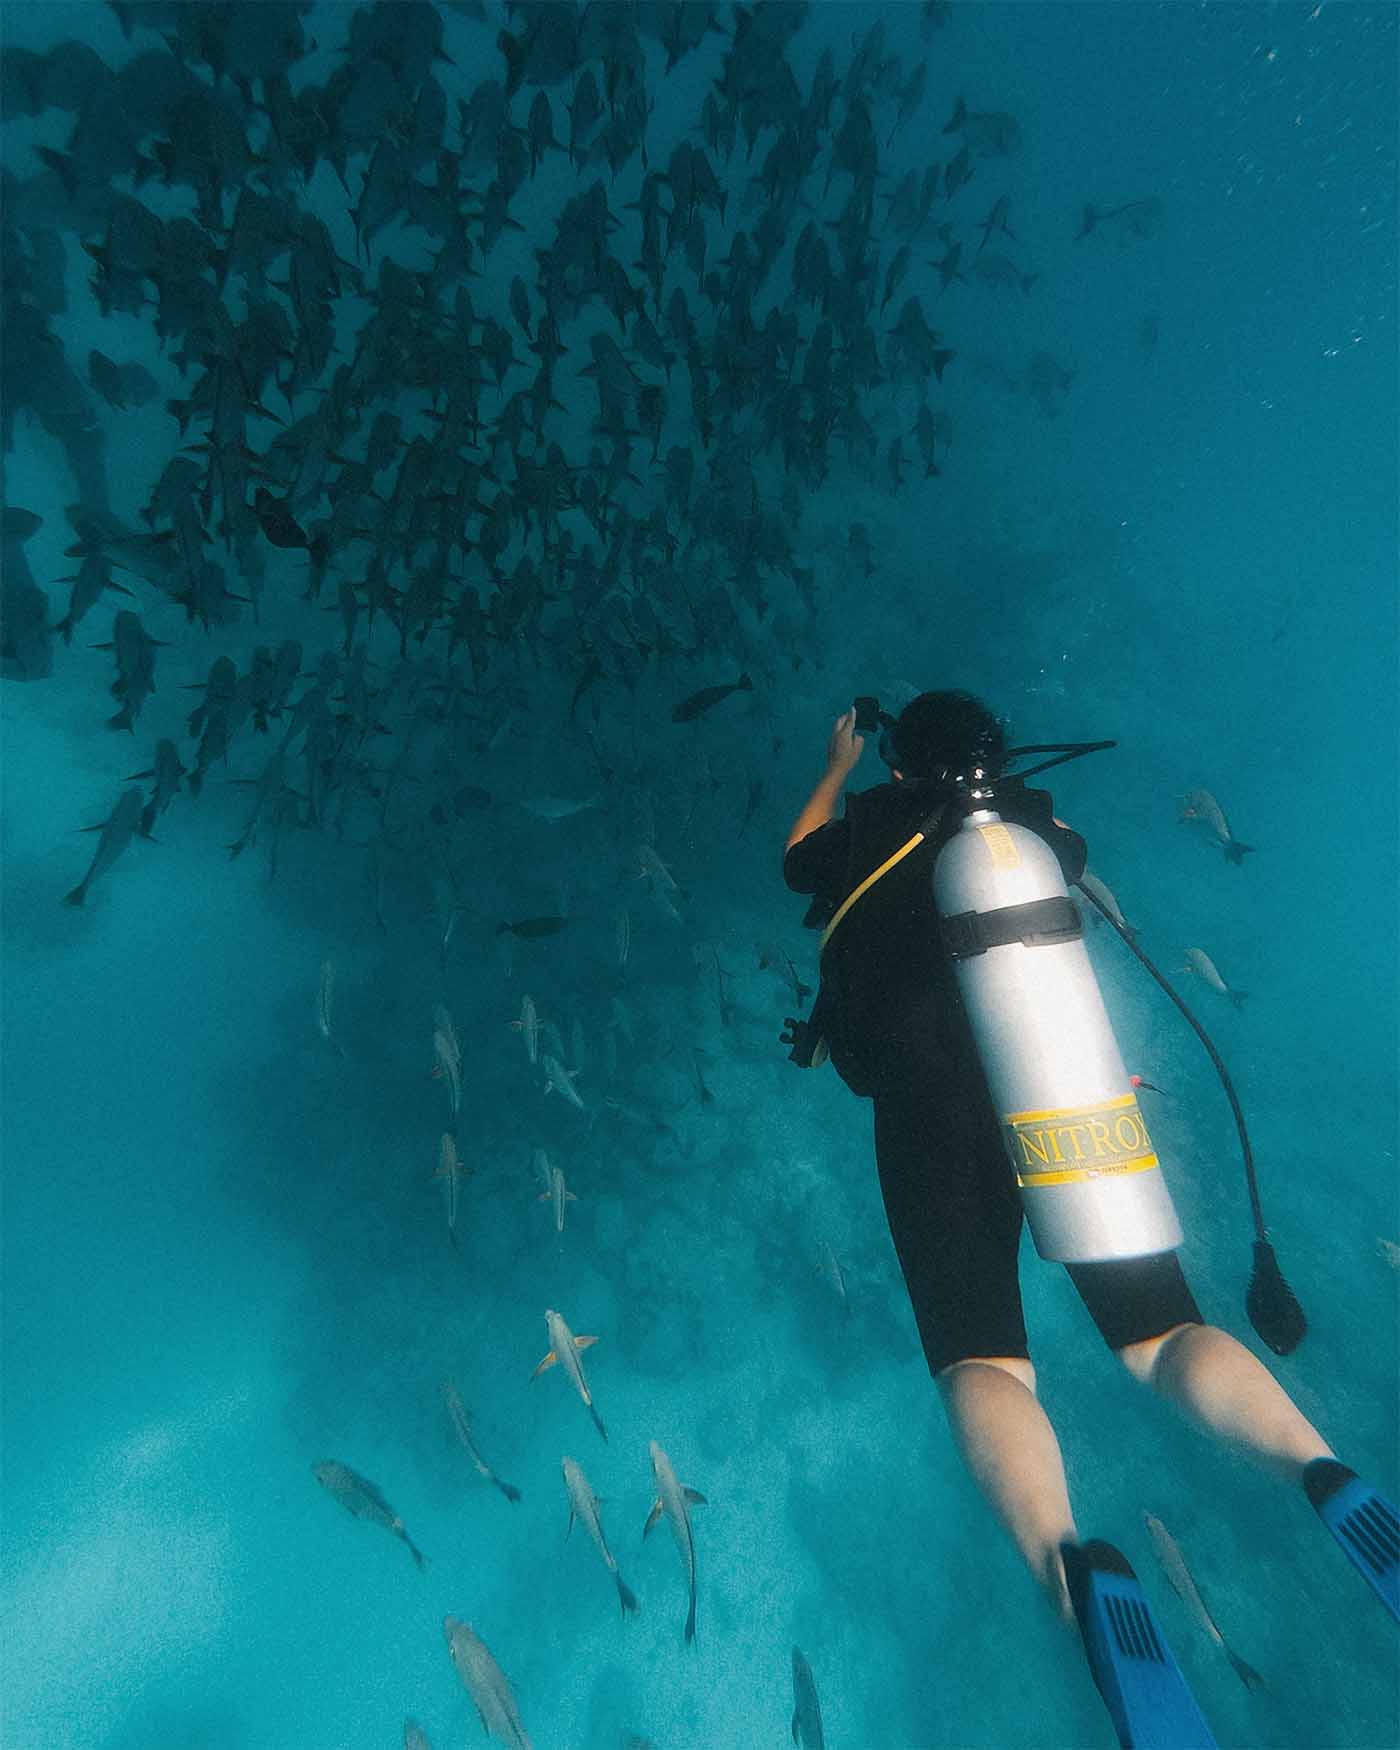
[[1270, 1303]]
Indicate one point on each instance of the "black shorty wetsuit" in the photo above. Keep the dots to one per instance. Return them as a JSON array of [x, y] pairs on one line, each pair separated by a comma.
[[894, 1021]]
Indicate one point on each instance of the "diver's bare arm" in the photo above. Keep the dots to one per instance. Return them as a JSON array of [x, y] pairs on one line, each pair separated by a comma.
[[842, 752], [820, 806]]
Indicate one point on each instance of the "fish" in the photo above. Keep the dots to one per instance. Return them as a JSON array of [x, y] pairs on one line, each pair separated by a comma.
[[556, 807], [1182, 1583], [277, 522], [539, 1159], [533, 928], [325, 995], [675, 1501], [947, 265], [167, 772], [1390, 1252], [708, 697], [414, 1737], [1047, 382], [831, 1269], [583, 1506], [1199, 962], [117, 832], [800, 989], [26, 635], [991, 134], [1000, 270], [1097, 891], [622, 935], [620, 1017], [528, 1026], [958, 173], [448, 932], [454, 1173], [806, 1713], [564, 1348], [996, 221], [268, 787], [448, 1052], [461, 1427], [1201, 805], [656, 871], [1140, 218], [120, 386], [135, 680], [557, 1194], [486, 1684], [558, 1080], [358, 1496]]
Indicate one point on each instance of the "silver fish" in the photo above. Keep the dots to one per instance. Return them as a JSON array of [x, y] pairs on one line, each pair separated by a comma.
[[1096, 890], [325, 994], [1174, 1564], [620, 1016], [675, 1501], [1201, 805], [359, 1496], [583, 1506], [558, 1194], [831, 1269], [461, 1427], [557, 807], [449, 930], [414, 1737], [559, 1080], [528, 1026], [652, 866], [564, 1348], [448, 1052], [1199, 962], [806, 1714], [485, 1683], [450, 1168]]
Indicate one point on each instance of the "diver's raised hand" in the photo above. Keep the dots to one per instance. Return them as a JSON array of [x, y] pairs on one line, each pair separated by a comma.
[[845, 746]]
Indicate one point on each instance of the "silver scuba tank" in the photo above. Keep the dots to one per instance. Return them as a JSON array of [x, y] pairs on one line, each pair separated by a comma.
[[1090, 1182]]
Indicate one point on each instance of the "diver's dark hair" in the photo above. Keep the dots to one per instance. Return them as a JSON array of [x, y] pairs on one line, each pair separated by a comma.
[[937, 735]]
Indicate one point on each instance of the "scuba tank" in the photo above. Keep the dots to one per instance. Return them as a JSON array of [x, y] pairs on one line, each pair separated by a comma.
[[1090, 1181]]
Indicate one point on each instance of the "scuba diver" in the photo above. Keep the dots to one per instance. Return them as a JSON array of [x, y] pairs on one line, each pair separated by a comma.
[[895, 1016]]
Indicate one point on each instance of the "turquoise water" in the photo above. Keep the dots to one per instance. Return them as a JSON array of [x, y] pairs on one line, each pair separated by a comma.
[[225, 1256]]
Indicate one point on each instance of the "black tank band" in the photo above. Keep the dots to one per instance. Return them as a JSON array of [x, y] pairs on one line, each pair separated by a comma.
[[1038, 924]]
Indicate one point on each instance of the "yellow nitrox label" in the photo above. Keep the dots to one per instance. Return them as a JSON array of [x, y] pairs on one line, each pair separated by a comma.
[[1072, 1143], [1001, 845]]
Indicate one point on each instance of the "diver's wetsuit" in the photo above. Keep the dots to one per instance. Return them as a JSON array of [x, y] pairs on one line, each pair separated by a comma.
[[893, 1018]]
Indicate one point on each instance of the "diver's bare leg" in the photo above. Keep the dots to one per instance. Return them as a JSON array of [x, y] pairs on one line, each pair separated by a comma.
[[1224, 1389], [1010, 1448]]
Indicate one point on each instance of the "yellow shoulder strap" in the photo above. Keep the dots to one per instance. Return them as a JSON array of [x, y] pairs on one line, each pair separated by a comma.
[[865, 886]]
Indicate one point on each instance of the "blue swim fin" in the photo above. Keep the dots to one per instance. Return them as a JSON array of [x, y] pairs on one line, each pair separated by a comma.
[[1141, 1683], [1363, 1522]]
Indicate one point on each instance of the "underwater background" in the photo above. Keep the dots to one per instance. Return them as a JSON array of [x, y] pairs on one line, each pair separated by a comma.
[[1135, 480]]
